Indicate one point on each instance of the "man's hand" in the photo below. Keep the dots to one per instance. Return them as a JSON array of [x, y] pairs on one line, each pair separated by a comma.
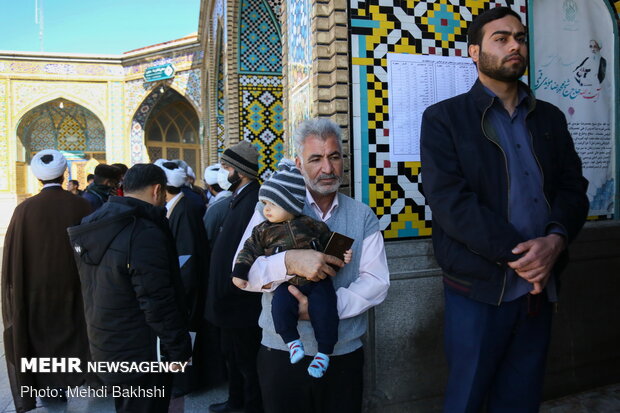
[[303, 302], [539, 257], [239, 282], [177, 366], [311, 264]]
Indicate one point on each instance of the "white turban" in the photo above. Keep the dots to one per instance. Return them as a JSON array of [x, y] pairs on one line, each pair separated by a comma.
[[49, 167], [190, 172], [211, 173], [176, 176]]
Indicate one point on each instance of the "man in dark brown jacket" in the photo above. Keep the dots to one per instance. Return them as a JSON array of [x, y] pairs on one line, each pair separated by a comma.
[[42, 306]]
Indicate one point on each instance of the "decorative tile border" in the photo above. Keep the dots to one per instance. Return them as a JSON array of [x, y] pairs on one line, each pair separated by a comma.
[[379, 27]]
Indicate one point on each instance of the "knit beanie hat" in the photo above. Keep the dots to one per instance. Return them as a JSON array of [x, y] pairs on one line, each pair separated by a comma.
[[243, 157], [285, 188]]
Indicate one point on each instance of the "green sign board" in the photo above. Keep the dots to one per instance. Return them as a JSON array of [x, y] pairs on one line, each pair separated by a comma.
[[161, 72]]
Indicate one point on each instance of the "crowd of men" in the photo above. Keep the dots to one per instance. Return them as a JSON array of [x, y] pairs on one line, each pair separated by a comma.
[[138, 266]]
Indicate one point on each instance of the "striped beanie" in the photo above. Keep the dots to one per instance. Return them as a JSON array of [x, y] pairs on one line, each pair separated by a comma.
[[243, 157], [285, 188]]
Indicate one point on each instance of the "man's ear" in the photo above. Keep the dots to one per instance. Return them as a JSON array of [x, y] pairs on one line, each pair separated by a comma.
[[156, 191], [474, 51], [298, 162]]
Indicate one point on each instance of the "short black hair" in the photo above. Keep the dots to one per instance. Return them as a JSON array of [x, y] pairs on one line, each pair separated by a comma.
[[475, 33], [74, 182], [143, 175], [216, 187], [89, 177], [173, 190], [53, 181], [103, 171], [122, 167]]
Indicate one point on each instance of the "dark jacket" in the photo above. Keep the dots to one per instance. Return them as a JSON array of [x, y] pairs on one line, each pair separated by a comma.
[[270, 238], [466, 183], [96, 195], [191, 243], [195, 198], [228, 306], [130, 279]]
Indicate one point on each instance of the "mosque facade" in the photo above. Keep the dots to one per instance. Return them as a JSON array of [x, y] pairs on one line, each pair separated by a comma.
[[253, 71], [98, 109]]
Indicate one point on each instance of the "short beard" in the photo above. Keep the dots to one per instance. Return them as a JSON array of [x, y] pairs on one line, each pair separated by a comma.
[[501, 72], [236, 180], [322, 189]]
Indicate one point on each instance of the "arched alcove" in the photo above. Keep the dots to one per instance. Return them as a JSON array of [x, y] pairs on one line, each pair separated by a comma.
[[172, 131], [63, 125]]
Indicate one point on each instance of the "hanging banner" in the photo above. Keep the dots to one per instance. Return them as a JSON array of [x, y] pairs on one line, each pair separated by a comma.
[[573, 68]]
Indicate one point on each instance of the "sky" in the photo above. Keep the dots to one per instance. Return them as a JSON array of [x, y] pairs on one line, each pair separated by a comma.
[[95, 26]]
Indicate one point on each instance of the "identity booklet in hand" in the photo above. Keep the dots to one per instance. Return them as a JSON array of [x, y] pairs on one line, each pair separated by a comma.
[[337, 245]]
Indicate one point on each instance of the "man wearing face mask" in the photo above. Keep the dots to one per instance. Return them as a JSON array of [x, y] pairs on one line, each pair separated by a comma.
[[234, 311], [218, 204]]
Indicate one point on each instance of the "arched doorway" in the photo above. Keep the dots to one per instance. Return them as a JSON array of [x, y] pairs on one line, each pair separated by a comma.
[[172, 131], [63, 125]]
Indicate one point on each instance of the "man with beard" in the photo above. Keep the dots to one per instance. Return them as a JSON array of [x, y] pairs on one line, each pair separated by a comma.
[[234, 311], [505, 187], [360, 285]]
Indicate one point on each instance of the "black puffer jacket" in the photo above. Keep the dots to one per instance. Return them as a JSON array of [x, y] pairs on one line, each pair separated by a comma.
[[131, 285]]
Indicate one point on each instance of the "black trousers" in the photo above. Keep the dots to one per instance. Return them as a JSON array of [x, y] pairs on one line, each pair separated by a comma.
[[240, 347], [288, 388], [145, 404], [322, 307]]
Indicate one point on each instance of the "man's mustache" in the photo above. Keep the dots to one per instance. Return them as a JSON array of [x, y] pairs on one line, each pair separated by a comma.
[[327, 176], [507, 58]]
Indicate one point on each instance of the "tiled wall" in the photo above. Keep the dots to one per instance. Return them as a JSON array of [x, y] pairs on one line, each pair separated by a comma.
[[260, 81], [379, 27]]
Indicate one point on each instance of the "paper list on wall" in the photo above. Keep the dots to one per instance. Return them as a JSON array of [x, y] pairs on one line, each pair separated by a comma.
[[414, 83]]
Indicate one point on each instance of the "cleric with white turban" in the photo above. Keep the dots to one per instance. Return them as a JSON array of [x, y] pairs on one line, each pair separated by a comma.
[[175, 175], [48, 164]]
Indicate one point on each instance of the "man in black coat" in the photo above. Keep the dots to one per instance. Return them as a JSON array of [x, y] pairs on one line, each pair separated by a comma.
[[234, 311], [132, 290], [190, 238]]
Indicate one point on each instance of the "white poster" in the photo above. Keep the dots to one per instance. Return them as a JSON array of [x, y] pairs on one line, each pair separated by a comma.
[[573, 68], [415, 82]]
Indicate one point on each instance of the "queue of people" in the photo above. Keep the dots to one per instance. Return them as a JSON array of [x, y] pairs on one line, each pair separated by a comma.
[[240, 287]]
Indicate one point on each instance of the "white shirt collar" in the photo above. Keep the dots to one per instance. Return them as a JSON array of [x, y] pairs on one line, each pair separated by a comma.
[[50, 185], [172, 201], [221, 194], [310, 201], [238, 191]]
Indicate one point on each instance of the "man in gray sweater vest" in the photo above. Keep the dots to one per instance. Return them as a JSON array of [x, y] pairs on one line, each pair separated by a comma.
[[360, 285]]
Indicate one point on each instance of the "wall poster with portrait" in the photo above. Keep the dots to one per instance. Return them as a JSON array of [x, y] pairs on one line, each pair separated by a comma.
[[574, 67]]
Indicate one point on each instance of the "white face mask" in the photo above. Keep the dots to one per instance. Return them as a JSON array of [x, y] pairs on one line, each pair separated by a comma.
[[222, 179]]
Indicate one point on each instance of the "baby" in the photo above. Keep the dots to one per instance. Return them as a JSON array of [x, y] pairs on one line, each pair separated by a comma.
[[284, 229]]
